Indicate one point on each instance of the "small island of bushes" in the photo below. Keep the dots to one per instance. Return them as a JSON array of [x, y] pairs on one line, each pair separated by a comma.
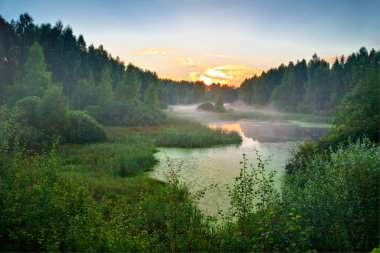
[[218, 107]]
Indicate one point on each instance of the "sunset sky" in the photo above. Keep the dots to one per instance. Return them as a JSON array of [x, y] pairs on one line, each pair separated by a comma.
[[213, 40]]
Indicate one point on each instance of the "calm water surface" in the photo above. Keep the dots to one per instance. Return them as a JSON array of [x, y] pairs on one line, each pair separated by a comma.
[[202, 167]]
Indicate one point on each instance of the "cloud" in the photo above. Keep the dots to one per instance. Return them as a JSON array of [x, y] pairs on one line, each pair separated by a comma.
[[175, 64], [230, 74], [156, 51], [187, 61]]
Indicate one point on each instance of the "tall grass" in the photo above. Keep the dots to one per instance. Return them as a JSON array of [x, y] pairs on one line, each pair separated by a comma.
[[178, 132], [283, 116], [117, 159], [188, 134]]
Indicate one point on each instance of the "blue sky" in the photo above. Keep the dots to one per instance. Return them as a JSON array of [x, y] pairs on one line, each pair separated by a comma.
[[213, 40]]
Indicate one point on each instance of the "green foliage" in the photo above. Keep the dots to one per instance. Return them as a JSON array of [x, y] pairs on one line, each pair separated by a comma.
[[339, 198], [97, 199], [42, 210], [85, 92], [219, 104], [150, 97], [357, 117], [317, 90], [35, 79], [104, 91], [128, 88], [188, 134], [128, 113], [51, 112], [16, 133], [37, 123], [311, 88], [82, 128], [360, 108], [291, 90], [252, 190], [116, 158], [8, 130], [257, 220], [27, 110], [206, 107]]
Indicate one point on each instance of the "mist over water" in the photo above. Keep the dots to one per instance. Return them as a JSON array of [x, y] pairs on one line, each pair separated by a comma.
[[202, 167]]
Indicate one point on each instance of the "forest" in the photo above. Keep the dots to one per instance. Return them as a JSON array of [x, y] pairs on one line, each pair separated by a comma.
[[79, 130]]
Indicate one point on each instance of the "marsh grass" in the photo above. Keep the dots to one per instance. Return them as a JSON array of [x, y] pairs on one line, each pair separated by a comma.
[[279, 116], [118, 159], [177, 132], [184, 133]]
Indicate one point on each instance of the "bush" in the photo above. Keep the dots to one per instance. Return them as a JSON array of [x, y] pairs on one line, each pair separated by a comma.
[[41, 210], [206, 107], [27, 110], [339, 198], [339, 136], [302, 108], [82, 128], [129, 113]]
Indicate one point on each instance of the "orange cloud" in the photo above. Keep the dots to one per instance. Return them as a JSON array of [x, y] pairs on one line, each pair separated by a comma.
[[173, 63], [230, 74], [187, 61]]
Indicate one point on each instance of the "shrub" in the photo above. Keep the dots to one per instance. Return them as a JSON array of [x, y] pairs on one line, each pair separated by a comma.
[[41, 210], [339, 136], [206, 107], [27, 110], [258, 221], [82, 128], [302, 108], [130, 113], [51, 111], [339, 198]]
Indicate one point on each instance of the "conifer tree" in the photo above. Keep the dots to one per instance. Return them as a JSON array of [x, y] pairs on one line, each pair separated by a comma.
[[35, 79], [104, 88], [219, 107], [150, 96]]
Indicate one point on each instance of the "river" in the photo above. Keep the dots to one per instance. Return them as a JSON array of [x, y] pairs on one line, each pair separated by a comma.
[[202, 167]]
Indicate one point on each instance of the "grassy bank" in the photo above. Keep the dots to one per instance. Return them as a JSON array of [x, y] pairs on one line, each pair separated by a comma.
[[188, 134], [273, 115], [178, 132]]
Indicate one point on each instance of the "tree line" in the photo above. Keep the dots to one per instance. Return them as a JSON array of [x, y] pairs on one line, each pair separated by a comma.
[[310, 87], [89, 75]]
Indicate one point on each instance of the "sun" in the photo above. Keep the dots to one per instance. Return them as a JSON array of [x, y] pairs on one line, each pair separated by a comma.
[[207, 80]]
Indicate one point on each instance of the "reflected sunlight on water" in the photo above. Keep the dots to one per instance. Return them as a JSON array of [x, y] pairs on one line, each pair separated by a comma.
[[202, 167]]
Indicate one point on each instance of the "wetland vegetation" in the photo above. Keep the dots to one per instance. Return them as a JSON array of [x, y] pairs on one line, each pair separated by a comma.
[[99, 156]]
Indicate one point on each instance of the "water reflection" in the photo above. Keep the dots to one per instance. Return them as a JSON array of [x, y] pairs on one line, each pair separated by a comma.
[[267, 131], [235, 126], [220, 165]]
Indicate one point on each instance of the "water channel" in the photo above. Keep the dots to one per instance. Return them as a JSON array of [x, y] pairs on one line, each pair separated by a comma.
[[201, 167]]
